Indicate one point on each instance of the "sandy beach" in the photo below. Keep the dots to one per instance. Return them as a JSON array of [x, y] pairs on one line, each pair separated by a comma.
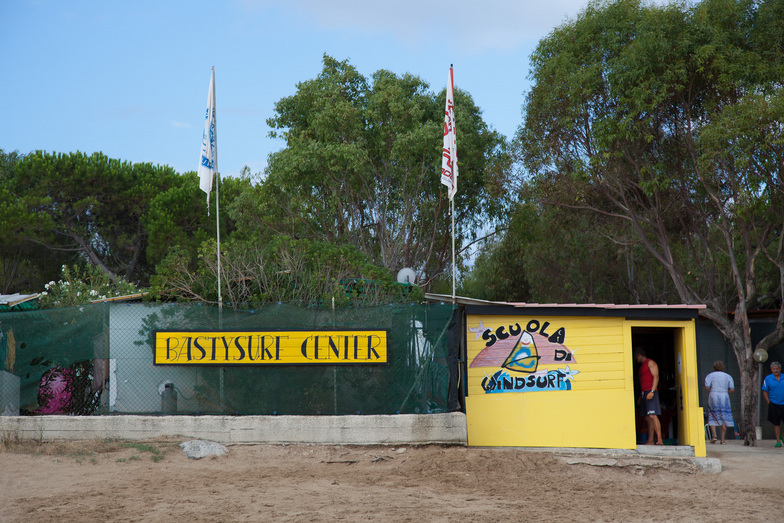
[[156, 481]]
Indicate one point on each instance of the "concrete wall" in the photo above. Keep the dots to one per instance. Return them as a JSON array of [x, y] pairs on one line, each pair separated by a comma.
[[409, 429]]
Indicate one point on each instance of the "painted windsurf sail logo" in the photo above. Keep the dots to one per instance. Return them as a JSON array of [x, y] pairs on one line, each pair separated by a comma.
[[523, 356], [524, 351]]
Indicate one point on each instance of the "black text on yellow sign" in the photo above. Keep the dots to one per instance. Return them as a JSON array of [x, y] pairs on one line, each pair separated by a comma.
[[333, 347]]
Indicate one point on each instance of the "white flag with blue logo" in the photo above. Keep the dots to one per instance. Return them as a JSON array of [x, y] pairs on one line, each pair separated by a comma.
[[208, 165]]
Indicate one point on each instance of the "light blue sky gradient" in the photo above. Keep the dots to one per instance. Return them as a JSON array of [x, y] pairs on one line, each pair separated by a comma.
[[130, 79]]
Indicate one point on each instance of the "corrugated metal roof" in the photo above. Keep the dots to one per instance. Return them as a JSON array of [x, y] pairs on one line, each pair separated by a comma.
[[9, 302], [127, 297], [461, 300], [613, 305]]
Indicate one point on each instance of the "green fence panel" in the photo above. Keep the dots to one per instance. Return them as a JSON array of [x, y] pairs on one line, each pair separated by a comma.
[[59, 356], [98, 359]]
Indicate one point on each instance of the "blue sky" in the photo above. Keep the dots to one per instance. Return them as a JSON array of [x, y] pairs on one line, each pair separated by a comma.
[[130, 79]]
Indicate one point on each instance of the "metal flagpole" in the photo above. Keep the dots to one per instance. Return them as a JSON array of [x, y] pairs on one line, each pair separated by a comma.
[[217, 228], [217, 207], [208, 172], [220, 296], [208, 166], [454, 267], [217, 217], [454, 181], [449, 165]]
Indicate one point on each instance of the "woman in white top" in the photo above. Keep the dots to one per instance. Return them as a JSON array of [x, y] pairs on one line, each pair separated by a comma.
[[719, 384]]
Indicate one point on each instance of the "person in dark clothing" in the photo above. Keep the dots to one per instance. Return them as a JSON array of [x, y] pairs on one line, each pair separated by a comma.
[[649, 397]]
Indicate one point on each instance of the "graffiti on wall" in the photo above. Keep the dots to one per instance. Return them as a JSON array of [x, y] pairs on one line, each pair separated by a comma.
[[521, 353]]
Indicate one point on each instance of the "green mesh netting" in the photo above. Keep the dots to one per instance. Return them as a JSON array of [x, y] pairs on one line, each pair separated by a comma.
[[58, 356], [98, 359]]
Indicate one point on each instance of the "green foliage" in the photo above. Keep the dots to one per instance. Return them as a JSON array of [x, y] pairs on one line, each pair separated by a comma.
[[178, 218], [156, 454], [549, 254], [74, 206], [637, 116], [23, 265], [120, 217], [361, 168], [356, 191], [663, 123], [80, 286], [499, 272], [282, 270]]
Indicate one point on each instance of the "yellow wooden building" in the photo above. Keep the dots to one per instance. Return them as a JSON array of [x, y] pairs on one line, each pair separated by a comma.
[[564, 375]]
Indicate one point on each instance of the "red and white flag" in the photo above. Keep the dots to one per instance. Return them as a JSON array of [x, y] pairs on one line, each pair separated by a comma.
[[449, 160]]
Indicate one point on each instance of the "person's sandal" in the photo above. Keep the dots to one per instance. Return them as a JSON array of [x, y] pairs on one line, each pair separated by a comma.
[[713, 440], [778, 444]]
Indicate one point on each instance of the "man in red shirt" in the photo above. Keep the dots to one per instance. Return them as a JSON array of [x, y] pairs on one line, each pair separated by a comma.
[[649, 383]]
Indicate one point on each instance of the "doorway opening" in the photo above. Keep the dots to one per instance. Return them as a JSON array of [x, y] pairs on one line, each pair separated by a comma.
[[661, 344]]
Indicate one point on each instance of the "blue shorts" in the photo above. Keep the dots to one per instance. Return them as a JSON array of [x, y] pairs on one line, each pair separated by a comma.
[[650, 406]]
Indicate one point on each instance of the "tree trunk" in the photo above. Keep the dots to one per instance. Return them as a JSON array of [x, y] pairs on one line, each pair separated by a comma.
[[740, 340], [749, 396]]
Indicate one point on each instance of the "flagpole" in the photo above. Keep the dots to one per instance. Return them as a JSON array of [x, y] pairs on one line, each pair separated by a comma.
[[454, 267], [217, 228], [454, 183], [449, 165], [208, 168], [217, 218], [208, 173], [220, 296]]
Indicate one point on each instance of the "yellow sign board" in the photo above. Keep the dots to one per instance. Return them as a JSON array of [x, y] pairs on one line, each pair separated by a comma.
[[327, 347]]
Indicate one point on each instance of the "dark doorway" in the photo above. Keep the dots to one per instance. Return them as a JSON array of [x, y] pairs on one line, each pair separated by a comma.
[[659, 345]]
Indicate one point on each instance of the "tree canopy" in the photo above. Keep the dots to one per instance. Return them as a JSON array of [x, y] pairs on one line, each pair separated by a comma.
[[78, 208], [360, 167], [353, 196], [664, 123]]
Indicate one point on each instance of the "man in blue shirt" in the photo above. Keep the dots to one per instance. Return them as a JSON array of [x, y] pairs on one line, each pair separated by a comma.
[[773, 392]]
